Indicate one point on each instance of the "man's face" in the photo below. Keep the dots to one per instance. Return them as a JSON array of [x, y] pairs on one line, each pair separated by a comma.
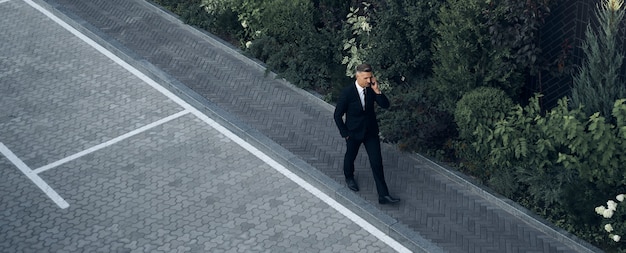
[[364, 78]]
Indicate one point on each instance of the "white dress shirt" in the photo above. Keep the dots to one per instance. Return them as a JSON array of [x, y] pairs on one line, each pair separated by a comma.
[[361, 94]]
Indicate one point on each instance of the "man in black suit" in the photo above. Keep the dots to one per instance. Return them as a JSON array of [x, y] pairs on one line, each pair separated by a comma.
[[356, 102]]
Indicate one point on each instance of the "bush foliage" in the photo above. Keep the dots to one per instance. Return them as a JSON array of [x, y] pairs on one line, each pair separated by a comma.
[[453, 70], [481, 107], [399, 44], [597, 83], [564, 162], [464, 56]]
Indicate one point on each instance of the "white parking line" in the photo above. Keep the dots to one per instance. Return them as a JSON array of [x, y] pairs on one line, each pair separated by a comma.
[[110, 55], [110, 142], [33, 174], [277, 166], [3, 1], [33, 177]]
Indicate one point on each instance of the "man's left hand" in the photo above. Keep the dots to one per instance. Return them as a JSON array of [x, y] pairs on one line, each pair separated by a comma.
[[374, 86]]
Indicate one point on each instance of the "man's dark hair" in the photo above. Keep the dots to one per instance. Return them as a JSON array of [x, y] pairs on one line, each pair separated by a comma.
[[364, 68]]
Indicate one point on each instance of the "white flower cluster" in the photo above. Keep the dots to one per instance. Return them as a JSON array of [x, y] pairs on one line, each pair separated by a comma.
[[607, 212]]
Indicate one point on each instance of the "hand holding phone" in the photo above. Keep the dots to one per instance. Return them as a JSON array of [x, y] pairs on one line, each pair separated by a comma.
[[374, 85]]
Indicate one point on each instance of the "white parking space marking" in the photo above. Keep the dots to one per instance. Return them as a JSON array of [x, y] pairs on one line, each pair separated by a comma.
[[110, 142], [277, 166], [3, 1], [33, 174], [33, 177]]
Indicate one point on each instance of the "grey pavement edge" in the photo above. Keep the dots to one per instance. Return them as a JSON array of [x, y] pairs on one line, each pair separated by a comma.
[[390, 226], [396, 230], [510, 206]]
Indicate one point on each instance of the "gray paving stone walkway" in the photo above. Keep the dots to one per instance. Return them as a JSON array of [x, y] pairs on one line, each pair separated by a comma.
[[440, 211], [175, 182]]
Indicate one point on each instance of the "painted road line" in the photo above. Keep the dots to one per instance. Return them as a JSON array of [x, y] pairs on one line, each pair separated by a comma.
[[304, 184], [4, 1], [281, 169], [33, 177], [111, 142], [110, 55]]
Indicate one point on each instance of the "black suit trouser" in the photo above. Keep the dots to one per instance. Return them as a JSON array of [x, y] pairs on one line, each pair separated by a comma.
[[372, 146]]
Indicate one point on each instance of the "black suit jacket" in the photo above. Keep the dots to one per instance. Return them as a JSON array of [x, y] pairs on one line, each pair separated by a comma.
[[358, 121]]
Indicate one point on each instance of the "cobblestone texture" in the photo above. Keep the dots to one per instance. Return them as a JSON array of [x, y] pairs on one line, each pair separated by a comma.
[[59, 95], [442, 208], [179, 187]]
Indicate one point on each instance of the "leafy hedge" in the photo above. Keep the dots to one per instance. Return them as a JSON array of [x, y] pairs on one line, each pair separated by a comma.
[[452, 69], [464, 56], [483, 106], [286, 38], [561, 164]]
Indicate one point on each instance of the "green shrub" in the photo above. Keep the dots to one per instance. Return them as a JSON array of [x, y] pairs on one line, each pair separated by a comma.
[[598, 84], [515, 25], [413, 122], [464, 57], [395, 36], [399, 44], [481, 107], [193, 12], [295, 41], [561, 163]]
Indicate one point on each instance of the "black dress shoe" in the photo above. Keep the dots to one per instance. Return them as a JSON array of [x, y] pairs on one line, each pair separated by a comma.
[[352, 184], [387, 200]]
